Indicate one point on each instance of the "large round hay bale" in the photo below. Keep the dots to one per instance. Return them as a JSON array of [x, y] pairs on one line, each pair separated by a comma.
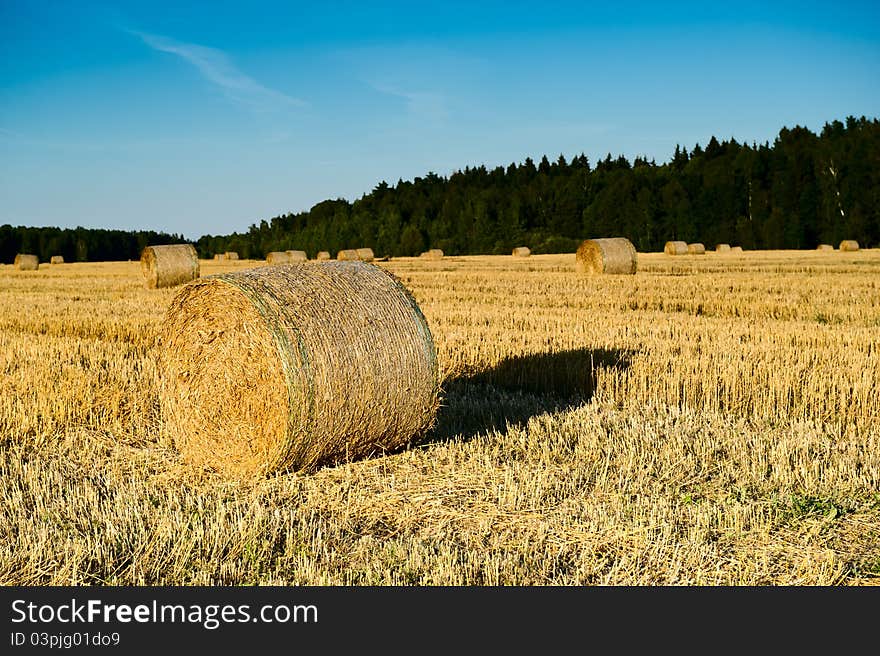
[[231, 255], [696, 249], [675, 248], [521, 251], [296, 366], [17, 259], [736, 249], [849, 245], [56, 259], [824, 247], [347, 255], [277, 257], [606, 255], [365, 254], [219, 257], [432, 254], [169, 265], [722, 248], [27, 262], [323, 255], [297, 256]]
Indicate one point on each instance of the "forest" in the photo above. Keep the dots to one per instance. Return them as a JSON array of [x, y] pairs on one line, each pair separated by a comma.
[[801, 190]]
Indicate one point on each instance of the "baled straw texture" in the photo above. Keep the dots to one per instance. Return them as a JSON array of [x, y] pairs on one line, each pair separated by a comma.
[[614, 255], [297, 256], [432, 254], [219, 256], [521, 251], [231, 255], [696, 249], [56, 259], [169, 265], [296, 366], [17, 259], [736, 249], [27, 262], [675, 248], [365, 254], [849, 245], [278, 257], [323, 255], [824, 247], [722, 248], [347, 255]]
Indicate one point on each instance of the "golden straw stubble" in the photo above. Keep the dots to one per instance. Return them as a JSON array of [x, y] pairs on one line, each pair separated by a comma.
[[613, 255], [294, 366]]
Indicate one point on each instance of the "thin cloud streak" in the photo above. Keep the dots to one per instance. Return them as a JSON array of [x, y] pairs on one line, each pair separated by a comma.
[[216, 67], [424, 104]]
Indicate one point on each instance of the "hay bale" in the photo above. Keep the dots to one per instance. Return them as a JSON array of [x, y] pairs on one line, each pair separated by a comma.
[[432, 254], [169, 265], [56, 259], [278, 257], [696, 249], [675, 248], [27, 262], [365, 254], [295, 366], [521, 251], [615, 255], [297, 256], [722, 248], [218, 257], [231, 255], [824, 247], [347, 255], [736, 249], [849, 245], [17, 259], [323, 255]]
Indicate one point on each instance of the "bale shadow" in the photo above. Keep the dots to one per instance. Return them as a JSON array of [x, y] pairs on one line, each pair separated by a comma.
[[519, 388]]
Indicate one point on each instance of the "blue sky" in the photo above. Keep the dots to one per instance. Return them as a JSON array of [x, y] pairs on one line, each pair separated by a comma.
[[205, 117]]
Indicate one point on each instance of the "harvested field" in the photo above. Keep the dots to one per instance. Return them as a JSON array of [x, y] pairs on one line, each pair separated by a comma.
[[705, 421]]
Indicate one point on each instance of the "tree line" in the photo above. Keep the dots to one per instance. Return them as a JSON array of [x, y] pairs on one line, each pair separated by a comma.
[[797, 192]]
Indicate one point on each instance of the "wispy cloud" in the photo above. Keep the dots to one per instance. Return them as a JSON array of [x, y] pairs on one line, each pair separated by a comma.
[[423, 104], [216, 67]]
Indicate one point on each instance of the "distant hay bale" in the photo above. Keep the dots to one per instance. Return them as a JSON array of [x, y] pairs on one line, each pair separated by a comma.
[[294, 367], [278, 257], [297, 256], [56, 259], [323, 255], [219, 256], [722, 248], [849, 245], [521, 251], [27, 262], [432, 254], [231, 255], [347, 255], [17, 259], [696, 249], [736, 249], [675, 248], [365, 254], [613, 255], [169, 265], [824, 247]]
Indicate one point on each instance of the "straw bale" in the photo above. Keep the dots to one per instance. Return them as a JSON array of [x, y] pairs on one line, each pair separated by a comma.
[[297, 256], [219, 256], [231, 255], [722, 248], [696, 249], [348, 254], [736, 249], [432, 254], [365, 254], [675, 248], [278, 257], [615, 255], [169, 265], [323, 255], [295, 366], [27, 262], [824, 247], [521, 251], [56, 259], [849, 245]]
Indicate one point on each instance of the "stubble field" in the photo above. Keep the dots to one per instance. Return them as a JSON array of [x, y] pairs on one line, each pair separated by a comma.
[[711, 420]]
